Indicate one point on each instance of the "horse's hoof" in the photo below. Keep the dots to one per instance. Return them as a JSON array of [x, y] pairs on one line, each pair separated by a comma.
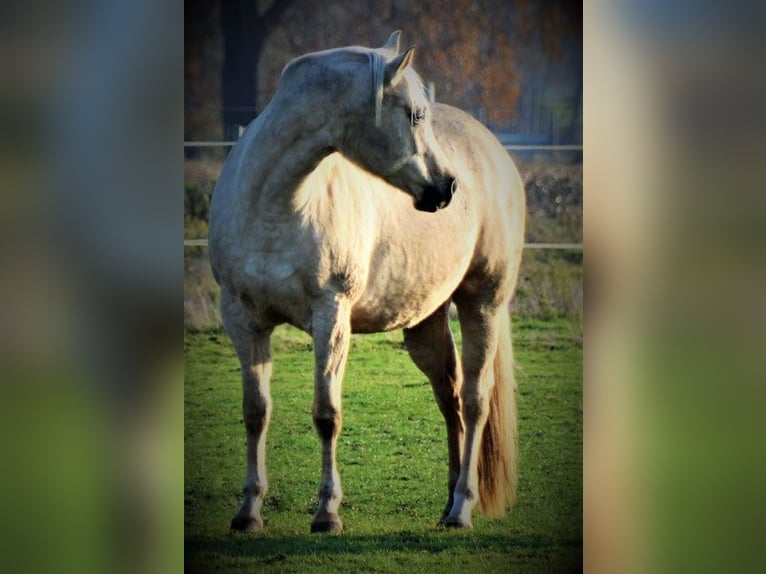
[[455, 523], [330, 524], [247, 524]]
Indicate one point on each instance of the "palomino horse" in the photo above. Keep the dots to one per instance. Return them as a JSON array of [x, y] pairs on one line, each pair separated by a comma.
[[353, 205]]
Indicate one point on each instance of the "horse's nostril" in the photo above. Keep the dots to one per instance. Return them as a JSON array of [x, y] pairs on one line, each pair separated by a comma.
[[453, 186]]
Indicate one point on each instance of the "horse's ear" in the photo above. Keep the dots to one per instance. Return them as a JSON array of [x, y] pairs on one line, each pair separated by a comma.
[[392, 44], [395, 68]]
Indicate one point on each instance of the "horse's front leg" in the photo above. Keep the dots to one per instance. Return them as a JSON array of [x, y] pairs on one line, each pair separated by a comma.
[[254, 352], [331, 330]]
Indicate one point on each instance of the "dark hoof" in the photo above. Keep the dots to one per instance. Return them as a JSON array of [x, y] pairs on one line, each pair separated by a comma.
[[327, 525], [455, 523], [246, 524]]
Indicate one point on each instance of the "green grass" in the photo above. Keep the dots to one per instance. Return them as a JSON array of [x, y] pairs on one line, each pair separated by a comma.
[[392, 459]]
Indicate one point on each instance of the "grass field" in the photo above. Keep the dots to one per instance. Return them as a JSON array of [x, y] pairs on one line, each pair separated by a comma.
[[392, 459]]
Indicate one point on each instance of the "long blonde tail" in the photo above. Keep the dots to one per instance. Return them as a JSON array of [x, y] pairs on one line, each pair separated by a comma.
[[497, 458]]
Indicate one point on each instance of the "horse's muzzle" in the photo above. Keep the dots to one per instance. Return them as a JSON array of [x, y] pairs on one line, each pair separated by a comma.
[[435, 197]]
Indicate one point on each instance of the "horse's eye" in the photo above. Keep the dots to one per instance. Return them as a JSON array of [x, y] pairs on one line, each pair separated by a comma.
[[418, 115]]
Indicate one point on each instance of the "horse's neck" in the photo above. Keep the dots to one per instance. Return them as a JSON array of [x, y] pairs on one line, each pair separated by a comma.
[[286, 150]]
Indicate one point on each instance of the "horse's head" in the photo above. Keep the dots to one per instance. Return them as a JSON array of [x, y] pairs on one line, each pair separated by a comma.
[[393, 137]]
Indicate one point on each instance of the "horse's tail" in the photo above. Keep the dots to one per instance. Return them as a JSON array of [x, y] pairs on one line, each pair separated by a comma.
[[498, 454]]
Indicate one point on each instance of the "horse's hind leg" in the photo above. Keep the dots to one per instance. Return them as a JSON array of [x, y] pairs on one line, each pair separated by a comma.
[[331, 330], [479, 329], [254, 352], [432, 348]]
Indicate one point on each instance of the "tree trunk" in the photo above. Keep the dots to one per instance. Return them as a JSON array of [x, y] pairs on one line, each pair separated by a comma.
[[245, 32], [240, 64]]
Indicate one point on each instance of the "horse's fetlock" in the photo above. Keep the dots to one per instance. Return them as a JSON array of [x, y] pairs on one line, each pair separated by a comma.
[[330, 492], [464, 491], [254, 490]]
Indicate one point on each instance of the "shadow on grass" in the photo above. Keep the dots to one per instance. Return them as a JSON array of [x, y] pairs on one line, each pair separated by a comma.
[[275, 548]]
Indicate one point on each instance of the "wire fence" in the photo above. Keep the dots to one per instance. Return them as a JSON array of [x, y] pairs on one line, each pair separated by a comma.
[[508, 147]]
